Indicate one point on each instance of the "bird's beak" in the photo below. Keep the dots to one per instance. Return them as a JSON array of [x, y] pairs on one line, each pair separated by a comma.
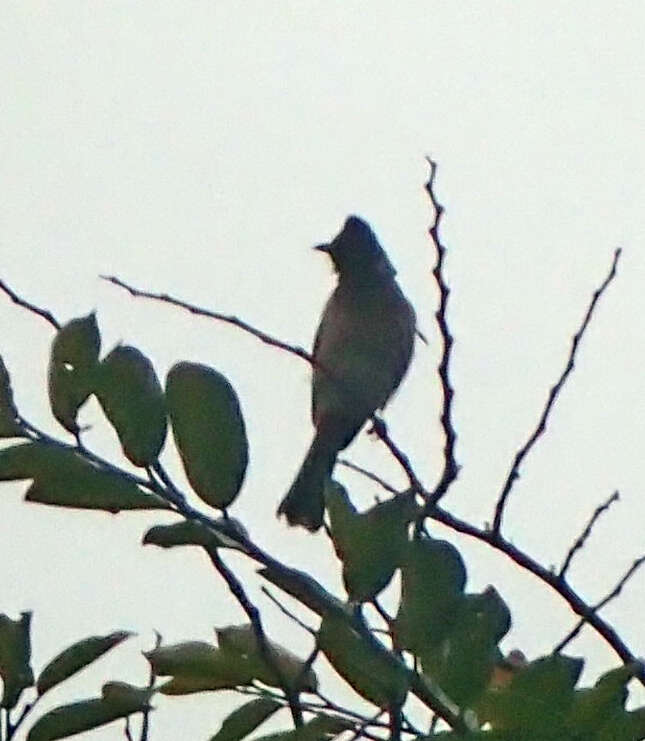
[[322, 247]]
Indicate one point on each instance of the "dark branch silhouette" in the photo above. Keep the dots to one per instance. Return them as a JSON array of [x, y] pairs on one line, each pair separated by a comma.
[[450, 465], [237, 590], [598, 606], [521, 454], [42, 313], [582, 538]]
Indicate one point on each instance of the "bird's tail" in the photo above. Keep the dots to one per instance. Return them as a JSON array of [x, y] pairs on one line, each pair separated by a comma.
[[304, 503]]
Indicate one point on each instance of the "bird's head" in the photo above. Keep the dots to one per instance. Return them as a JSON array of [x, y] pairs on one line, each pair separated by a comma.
[[355, 250]]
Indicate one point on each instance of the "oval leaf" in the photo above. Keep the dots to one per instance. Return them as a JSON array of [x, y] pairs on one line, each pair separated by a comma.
[[370, 673], [433, 577], [246, 719], [370, 544], [85, 715], [63, 478], [191, 532], [72, 362], [127, 698], [322, 727], [76, 657], [462, 664], [189, 657], [9, 426], [209, 431], [539, 699], [197, 666], [131, 396], [241, 641], [15, 657]]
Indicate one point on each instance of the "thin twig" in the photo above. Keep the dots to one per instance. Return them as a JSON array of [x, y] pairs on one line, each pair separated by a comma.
[[126, 731], [363, 726], [514, 473], [145, 723], [598, 606], [582, 538], [237, 590], [265, 590], [379, 428], [43, 313], [450, 465], [199, 311], [387, 618], [13, 727], [368, 474]]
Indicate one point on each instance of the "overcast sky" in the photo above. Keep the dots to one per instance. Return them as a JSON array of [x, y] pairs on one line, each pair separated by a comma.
[[201, 148]]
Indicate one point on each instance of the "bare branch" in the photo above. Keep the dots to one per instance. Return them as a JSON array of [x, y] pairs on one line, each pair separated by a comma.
[[237, 590], [582, 538], [145, 723], [199, 311], [126, 731], [362, 726], [288, 612], [43, 313], [593, 610], [514, 473], [379, 428], [368, 474], [450, 465]]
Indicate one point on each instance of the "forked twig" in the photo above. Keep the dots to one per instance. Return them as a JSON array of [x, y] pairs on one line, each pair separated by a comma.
[[599, 605]]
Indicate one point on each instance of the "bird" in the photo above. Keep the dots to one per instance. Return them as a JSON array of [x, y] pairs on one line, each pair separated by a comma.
[[362, 350]]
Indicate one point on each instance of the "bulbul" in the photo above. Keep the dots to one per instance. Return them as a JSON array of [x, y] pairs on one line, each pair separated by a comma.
[[361, 352]]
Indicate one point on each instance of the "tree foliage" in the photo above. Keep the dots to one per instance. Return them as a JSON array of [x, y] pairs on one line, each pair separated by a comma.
[[442, 645]]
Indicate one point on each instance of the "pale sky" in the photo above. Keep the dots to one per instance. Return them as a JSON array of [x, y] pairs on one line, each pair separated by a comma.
[[201, 148]]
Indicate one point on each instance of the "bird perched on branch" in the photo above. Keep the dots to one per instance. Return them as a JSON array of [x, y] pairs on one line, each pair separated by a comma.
[[361, 352]]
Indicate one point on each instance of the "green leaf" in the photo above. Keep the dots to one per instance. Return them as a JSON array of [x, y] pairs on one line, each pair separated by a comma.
[[592, 707], [209, 431], [246, 719], [538, 699], [191, 532], [370, 544], [15, 658], [77, 657], [126, 697], [433, 577], [72, 362], [188, 657], [320, 728], [371, 673], [626, 726], [462, 663], [118, 701], [9, 426], [241, 641], [197, 666], [63, 478], [131, 396]]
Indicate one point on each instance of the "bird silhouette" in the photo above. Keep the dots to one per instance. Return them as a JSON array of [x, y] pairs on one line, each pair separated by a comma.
[[361, 352]]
